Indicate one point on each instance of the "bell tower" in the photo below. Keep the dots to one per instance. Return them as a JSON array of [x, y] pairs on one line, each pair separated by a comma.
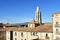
[[38, 16]]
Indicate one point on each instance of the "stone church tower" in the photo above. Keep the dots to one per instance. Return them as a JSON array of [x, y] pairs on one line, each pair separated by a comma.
[[37, 21], [38, 16]]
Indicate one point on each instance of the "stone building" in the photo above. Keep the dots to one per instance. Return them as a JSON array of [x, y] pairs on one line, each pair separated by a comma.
[[35, 29], [56, 26]]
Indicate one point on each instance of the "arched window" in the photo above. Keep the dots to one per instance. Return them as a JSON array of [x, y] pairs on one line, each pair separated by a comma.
[[46, 35], [22, 34]]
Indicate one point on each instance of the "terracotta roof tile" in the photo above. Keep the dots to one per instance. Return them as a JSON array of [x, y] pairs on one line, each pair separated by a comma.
[[41, 28]]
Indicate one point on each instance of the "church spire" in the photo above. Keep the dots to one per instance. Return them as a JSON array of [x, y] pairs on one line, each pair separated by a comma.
[[38, 15], [37, 8]]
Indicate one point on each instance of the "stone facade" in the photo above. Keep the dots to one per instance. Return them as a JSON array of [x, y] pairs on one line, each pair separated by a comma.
[[56, 26], [21, 35], [35, 30], [35, 33]]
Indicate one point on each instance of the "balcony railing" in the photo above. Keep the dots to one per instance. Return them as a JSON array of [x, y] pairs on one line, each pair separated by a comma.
[[57, 25]]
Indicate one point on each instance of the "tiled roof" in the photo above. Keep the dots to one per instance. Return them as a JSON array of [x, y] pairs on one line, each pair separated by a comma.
[[41, 28], [44, 28]]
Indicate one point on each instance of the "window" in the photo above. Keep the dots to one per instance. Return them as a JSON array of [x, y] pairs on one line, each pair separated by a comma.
[[56, 22], [25, 39], [56, 30], [21, 39], [46, 35], [33, 33], [15, 38], [21, 34], [15, 33]]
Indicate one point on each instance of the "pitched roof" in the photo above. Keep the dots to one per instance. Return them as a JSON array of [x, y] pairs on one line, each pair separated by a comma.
[[41, 28], [44, 28]]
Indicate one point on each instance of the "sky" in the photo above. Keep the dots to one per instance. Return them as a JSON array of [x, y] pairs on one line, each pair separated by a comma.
[[20, 11]]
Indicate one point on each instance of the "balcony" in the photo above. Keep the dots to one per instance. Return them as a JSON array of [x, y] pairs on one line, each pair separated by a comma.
[[57, 25]]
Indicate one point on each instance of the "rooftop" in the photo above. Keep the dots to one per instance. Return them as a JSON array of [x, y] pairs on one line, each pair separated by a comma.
[[41, 28]]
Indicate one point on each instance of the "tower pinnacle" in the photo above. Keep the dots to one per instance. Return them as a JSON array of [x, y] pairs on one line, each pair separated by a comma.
[[38, 15], [37, 8]]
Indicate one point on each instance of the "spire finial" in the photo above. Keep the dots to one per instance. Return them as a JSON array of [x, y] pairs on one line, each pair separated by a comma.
[[37, 8]]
